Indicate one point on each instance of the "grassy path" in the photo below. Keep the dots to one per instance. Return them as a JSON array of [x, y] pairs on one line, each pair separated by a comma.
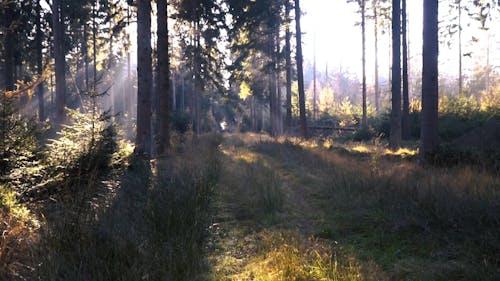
[[268, 209], [296, 211]]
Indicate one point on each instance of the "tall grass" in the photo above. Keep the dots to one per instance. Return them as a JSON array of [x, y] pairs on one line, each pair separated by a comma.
[[418, 223], [146, 226]]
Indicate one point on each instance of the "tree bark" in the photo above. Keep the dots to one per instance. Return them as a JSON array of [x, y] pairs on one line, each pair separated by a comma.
[[272, 84], [405, 119], [315, 94], [300, 71], [38, 39], [363, 34], [9, 47], [377, 87], [85, 52], [429, 127], [60, 63], [144, 78], [197, 82], [395, 137], [288, 62], [163, 77], [460, 75]]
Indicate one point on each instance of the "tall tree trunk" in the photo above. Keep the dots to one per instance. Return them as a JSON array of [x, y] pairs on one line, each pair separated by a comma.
[[460, 75], [279, 121], [9, 47], [288, 62], [163, 76], [60, 63], [377, 86], [198, 82], [405, 119], [144, 78], [363, 34], [429, 134], [127, 98], [85, 52], [279, 111], [300, 71], [94, 48], [94, 80], [272, 84], [38, 39], [173, 107], [315, 94], [395, 137]]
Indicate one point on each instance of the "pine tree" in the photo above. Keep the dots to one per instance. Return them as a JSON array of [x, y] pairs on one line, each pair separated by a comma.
[[429, 124]]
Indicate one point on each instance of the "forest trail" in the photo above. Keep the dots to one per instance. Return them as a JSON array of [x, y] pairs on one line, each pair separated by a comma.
[[268, 216], [288, 209]]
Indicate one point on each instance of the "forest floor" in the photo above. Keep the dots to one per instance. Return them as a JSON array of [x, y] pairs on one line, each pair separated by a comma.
[[252, 207], [291, 210]]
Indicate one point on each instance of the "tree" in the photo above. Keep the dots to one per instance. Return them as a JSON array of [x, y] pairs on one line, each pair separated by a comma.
[[363, 35], [39, 39], [300, 71], [9, 44], [288, 66], [429, 123], [60, 63], [375, 6], [395, 137], [163, 76], [405, 119], [203, 22], [144, 78]]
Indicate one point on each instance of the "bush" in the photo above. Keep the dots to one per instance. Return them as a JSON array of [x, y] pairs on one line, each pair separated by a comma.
[[362, 134]]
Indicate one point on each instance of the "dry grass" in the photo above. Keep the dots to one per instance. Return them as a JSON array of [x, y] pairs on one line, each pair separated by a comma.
[[413, 222], [147, 223]]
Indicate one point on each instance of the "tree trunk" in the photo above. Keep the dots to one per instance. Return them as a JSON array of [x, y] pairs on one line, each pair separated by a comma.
[[363, 34], [395, 137], [288, 62], [9, 47], [163, 77], [279, 121], [272, 85], [144, 78], [377, 86], [60, 63], [429, 134], [85, 52], [127, 98], [300, 71], [198, 82], [405, 120], [94, 50], [315, 94], [38, 39], [460, 75]]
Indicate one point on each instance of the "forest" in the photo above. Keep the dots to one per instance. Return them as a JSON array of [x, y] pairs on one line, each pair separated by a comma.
[[248, 140]]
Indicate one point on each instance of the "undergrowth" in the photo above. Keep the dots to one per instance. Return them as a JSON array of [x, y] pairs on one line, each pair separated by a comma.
[[147, 225]]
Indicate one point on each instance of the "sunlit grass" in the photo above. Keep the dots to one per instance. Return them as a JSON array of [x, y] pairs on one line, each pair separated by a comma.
[[384, 212], [361, 149], [402, 152], [288, 255]]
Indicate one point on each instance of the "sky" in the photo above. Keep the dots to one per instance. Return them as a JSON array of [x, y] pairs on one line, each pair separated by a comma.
[[330, 29]]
